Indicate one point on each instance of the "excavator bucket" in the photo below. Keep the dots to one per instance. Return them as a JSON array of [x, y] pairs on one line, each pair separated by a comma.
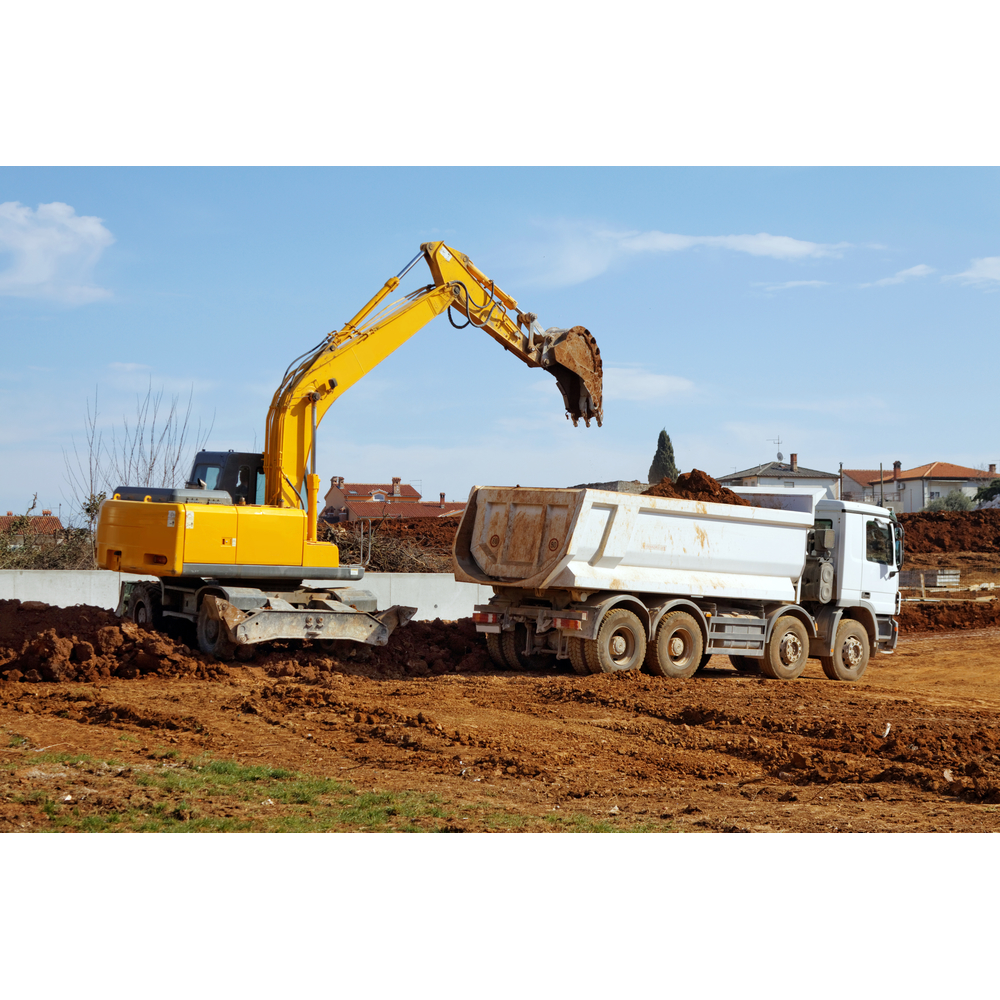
[[575, 359]]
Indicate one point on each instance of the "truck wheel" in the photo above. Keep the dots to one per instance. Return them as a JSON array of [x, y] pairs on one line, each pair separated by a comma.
[[851, 652], [145, 606], [620, 643], [512, 643], [212, 637], [577, 656], [745, 664], [495, 650], [705, 657], [787, 650], [677, 649]]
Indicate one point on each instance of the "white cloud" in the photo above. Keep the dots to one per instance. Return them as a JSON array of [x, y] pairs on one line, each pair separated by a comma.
[[54, 252], [920, 271], [635, 383], [781, 286], [577, 252], [984, 271]]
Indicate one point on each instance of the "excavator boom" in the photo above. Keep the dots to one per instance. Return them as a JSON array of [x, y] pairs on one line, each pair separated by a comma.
[[313, 383]]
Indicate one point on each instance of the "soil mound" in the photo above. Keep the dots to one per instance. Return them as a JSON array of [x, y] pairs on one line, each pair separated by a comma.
[[952, 531], [43, 643], [417, 649], [945, 616], [696, 485]]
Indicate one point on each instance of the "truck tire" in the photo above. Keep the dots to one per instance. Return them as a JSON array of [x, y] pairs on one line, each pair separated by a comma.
[[676, 651], [851, 652], [787, 650], [705, 657], [212, 637], [145, 606], [620, 643], [512, 643], [577, 656], [495, 650], [745, 664]]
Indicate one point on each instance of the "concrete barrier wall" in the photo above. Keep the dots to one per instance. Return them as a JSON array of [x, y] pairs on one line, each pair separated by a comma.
[[64, 587], [434, 595]]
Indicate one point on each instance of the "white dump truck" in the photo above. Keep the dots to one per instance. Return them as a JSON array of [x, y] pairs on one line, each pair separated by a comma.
[[615, 581]]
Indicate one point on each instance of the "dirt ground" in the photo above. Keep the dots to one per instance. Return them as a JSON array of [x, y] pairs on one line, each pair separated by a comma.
[[427, 735]]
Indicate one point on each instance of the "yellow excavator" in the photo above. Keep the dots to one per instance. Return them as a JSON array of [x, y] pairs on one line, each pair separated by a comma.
[[232, 548]]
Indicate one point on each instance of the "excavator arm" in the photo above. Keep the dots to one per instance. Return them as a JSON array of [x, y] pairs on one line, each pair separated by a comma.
[[318, 378]]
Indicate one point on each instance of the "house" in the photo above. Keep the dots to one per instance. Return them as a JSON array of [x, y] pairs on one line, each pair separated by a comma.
[[394, 492], [788, 475], [357, 509], [350, 501], [916, 488], [42, 528]]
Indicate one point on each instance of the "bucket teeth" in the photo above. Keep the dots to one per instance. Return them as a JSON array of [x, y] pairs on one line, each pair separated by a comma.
[[574, 358]]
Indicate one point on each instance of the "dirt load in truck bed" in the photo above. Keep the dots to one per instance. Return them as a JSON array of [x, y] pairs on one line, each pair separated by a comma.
[[696, 485]]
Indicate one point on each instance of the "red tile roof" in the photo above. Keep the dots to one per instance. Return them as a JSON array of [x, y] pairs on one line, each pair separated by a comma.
[[41, 525], [864, 476], [406, 491], [935, 470], [376, 509]]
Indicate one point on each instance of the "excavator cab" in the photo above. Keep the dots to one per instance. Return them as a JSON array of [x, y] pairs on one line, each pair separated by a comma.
[[239, 473]]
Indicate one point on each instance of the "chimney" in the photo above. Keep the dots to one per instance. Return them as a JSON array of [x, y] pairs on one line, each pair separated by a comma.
[[897, 467], [395, 485], [442, 499], [993, 469], [46, 513], [795, 462], [10, 513]]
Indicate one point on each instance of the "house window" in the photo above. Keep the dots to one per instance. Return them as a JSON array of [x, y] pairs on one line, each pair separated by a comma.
[[935, 496], [379, 497], [789, 485]]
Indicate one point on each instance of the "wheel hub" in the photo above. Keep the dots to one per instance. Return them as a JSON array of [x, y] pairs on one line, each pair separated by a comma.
[[852, 651], [676, 646], [618, 646], [791, 648]]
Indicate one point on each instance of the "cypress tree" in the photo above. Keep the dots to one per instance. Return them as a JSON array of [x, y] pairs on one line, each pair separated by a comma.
[[663, 461]]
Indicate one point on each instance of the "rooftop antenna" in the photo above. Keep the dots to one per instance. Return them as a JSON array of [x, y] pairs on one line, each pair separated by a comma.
[[777, 441]]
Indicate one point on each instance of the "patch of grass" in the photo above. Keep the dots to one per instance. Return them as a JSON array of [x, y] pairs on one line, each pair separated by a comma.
[[128, 738], [17, 741]]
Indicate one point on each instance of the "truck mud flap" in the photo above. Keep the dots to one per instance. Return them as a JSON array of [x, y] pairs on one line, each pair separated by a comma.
[[336, 621]]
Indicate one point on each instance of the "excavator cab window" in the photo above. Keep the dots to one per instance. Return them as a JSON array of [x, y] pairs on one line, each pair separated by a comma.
[[259, 499], [209, 474], [242, 491]]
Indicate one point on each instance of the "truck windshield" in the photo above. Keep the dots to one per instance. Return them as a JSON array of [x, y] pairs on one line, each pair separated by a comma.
[[878, 542], [898, 529]]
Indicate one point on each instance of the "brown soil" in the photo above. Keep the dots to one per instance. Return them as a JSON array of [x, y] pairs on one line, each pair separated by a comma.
[[502, 750], [952, 531], [43, 643], [696, 485], [947, 615]]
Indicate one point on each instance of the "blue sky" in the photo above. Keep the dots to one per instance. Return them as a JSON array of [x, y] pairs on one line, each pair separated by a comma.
[[852, 312]]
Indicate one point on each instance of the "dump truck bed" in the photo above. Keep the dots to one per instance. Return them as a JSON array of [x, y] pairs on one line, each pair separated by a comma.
[[582, 539]]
